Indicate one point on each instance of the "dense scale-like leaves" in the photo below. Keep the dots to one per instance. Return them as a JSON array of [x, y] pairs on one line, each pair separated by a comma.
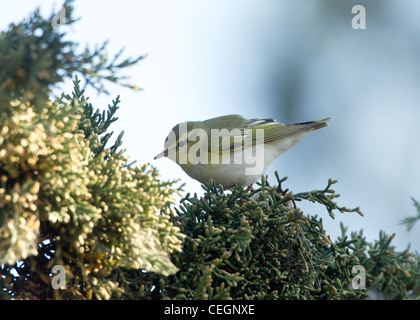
[[66, 198], [260, 245]]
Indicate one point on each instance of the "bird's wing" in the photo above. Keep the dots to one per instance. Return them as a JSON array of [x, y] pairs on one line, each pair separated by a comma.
[[278, 130], [246, 131]]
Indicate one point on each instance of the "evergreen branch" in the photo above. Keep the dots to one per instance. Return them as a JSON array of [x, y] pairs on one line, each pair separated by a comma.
[[65, 198], [325, 197], [409, 222], [32, 63], [95, 67]]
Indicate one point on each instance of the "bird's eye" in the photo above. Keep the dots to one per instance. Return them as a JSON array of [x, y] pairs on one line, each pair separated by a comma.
[[181, 144]]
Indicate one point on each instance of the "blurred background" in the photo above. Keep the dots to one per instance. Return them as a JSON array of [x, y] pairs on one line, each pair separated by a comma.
[[294, 61]]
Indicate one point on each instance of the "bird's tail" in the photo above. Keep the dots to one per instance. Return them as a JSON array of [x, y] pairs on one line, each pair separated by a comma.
[[314, 124]]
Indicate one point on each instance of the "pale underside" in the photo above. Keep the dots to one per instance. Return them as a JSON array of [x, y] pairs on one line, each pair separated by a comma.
[[245, 165]]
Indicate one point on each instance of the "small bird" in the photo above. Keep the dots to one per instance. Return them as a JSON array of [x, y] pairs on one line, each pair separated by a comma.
[[231, 149]]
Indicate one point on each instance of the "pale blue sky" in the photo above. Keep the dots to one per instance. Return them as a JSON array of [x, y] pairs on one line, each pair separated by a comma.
[[294, 61]]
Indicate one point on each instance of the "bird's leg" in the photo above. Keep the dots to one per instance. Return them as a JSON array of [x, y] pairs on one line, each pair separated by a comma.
[[280, 194], [248, 189]]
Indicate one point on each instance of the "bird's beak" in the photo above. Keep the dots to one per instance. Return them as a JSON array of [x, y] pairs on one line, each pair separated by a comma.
[[164, 153]]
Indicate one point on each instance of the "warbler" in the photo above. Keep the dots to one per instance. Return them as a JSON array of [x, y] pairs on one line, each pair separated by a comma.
[[231, 149]]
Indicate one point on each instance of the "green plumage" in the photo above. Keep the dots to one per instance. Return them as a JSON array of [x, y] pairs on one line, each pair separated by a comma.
[[231, 149], [241, 129]]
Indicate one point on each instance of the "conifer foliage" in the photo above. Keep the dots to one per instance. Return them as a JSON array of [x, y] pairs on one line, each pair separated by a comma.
[[70, 200], [66, 198], [260, 245]]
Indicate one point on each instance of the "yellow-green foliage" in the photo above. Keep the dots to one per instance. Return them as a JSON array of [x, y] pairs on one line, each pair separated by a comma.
[[93, 212], [65, 197]]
